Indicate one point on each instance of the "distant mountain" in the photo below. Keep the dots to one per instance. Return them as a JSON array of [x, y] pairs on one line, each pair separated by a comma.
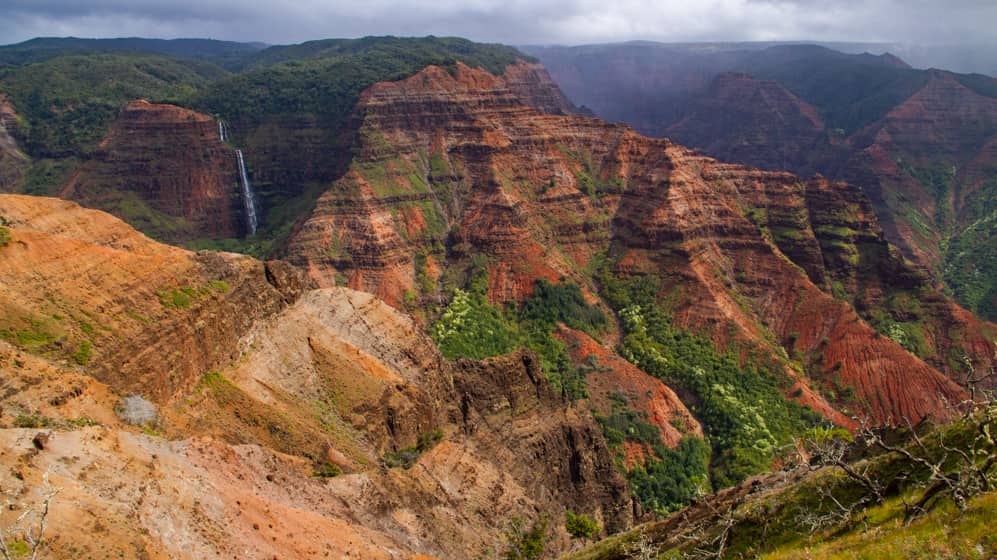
[[920, 143], [227, 54]]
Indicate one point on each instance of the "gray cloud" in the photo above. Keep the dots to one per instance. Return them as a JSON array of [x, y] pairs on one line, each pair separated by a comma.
[[509, 21]]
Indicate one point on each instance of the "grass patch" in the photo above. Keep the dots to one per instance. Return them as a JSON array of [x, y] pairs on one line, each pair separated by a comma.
[[83, 353]]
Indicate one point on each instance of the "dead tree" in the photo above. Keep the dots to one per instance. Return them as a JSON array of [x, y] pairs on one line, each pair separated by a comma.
[[29, 527]]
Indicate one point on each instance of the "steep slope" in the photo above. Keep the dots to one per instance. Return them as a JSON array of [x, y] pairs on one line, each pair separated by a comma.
[[166, 171], [815, 508], [289, 110], [13, 161], [918, 142], [929, 164], [315, 422], [105, 285], [614, 376], [451, 166], [926, 164]]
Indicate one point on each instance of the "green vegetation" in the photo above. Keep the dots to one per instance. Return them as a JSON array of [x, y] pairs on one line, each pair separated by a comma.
[[325, 78], [850, 91], [581, 526], [668, 478], [69, 102], [19, 549], [83, 353], [552, 304], [32, 333], [32, 421], [177, 298], [4, 236], [471, 327], [563, 303], [740, 404], [185, 296], [944, 533], [326, 469], [526, 544], [408, 456], [970, 269], [673, 479], [929, 495], [226, 54]]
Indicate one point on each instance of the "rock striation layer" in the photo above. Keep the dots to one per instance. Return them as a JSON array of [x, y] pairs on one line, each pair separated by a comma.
[[321, 422], [454, 165], [166, 171]]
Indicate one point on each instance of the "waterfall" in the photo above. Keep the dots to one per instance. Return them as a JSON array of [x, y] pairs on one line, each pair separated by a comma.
[[247, 194], [221, 131]]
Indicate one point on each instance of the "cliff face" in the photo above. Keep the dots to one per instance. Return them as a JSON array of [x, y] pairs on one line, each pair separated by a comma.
[[925, 161], [450, 166], [260, 383], [923, 152], [201, 303], [13, 162], [165, 170]]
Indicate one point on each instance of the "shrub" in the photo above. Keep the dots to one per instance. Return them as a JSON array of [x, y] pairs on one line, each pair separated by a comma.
[[581, 526], [526, 544], [408, 456], [136, 410], [471, 327], [4, 236], [174, 299], [31, 421], [83, 353], [326, 469]]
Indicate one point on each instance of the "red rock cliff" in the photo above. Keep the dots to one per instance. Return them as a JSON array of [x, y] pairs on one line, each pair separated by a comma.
[[165, 170], [454, 165]]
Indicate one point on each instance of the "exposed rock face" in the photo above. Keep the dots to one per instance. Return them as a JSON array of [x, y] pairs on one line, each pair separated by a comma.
[[920, 144], [112, 284], [165, 170], [534, 87], [261, 381], [458, 160], [13, 161], [508, 406], [510, 446]]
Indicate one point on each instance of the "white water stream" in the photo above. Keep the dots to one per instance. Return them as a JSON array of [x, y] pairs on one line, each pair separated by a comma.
[[248, 199]]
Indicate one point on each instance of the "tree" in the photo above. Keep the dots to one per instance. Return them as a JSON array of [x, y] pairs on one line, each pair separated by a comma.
[[581, 526]]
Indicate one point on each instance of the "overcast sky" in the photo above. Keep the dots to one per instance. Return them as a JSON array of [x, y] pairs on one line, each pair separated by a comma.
[[509, 21]]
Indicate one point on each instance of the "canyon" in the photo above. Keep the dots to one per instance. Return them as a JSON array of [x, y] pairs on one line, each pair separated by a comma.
[[259, 380], [307, 403]]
